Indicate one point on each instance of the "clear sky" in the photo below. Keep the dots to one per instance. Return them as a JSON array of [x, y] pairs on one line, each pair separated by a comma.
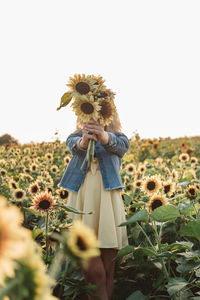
[[148, 52]]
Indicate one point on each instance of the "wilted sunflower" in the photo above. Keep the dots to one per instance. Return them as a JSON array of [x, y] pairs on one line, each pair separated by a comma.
[[34, 188], [183, 157], [156, 201], [86, 109], [12, 238], [192, 191], [151, 185], [168, 187], [19, 194], [106, 112], [130, 169], [63, 194], [81, 85], [43, 202], [82, 241]]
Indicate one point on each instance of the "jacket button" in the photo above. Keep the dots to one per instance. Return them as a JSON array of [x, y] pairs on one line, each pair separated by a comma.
[[83, 172], [78, 184]]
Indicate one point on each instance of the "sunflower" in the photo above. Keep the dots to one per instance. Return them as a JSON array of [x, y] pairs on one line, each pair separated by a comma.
[[138, 183], [43, 202], [174, 174], [155, 145], [183, 145], [49, 156], [98, 80], [183, 157], [129, 188], [168, 187], [130, 169], [12, 238], [67, 159], [86, 109], [81, 85], [156, 201], [141, 168], [189, 151], [33, 167], [63, 194], [34, 188], [54, 168], [192, 191], [194, 160], [13, 184], [82, 241], [19, 194], [151, 185], [3, 172], [106, 112]]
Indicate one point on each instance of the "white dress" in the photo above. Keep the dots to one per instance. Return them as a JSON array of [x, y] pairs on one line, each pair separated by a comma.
[[107, 206]]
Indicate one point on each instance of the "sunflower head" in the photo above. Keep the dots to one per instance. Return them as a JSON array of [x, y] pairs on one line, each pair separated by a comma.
[[192, 191], [19, 194], [43, 202], [183, 157], [106, 112], [156, 201], [81, 84], [82, 242], [151, 185], [86, 109]]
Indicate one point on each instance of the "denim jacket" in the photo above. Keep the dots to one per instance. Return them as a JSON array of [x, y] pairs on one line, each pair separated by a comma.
[[108, 156]]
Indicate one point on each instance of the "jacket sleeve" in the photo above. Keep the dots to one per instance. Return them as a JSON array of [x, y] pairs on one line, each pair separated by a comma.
[[71, 144], [118, 143]]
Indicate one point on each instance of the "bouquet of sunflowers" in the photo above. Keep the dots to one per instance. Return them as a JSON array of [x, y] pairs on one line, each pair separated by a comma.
[[91, 101]]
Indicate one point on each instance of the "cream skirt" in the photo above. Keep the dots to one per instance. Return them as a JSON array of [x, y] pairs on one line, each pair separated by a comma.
[[107, 206]]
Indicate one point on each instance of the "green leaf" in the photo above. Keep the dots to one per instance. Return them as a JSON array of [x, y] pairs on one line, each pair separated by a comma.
[[138, 216], [175, 285], [76, 211], [191, 229], [124, 251], [165, 213], [136, 295]]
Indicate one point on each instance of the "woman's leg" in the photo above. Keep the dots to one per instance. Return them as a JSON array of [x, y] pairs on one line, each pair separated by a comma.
[[95, 274], [109, 266]]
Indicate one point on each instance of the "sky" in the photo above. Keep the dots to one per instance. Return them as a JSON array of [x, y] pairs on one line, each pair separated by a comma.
[[148, 51]]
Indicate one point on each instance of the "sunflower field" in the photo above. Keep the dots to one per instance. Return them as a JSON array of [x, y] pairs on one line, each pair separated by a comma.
[[40, 248]]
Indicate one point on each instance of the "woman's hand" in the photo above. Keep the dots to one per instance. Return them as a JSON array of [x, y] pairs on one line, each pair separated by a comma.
[[96, 129], [86, 136]]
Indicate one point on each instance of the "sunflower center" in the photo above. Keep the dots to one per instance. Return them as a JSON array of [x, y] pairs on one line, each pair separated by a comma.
[[138, 183], [64, 194], [82, 88], [192, 192], [44, 204], [14, 185], [130, 169], [34, 189], [19, 195], [151, 185], [167, 188], [81, 245], [87, 108], [156, 203]]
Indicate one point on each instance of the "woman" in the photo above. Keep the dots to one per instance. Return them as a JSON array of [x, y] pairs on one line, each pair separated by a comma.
[[98, 189]]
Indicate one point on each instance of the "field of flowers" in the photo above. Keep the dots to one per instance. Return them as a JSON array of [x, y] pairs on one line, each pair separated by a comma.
[[40, 249]]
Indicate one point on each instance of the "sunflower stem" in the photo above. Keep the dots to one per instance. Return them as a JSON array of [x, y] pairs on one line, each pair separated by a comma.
[[47, 245]]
